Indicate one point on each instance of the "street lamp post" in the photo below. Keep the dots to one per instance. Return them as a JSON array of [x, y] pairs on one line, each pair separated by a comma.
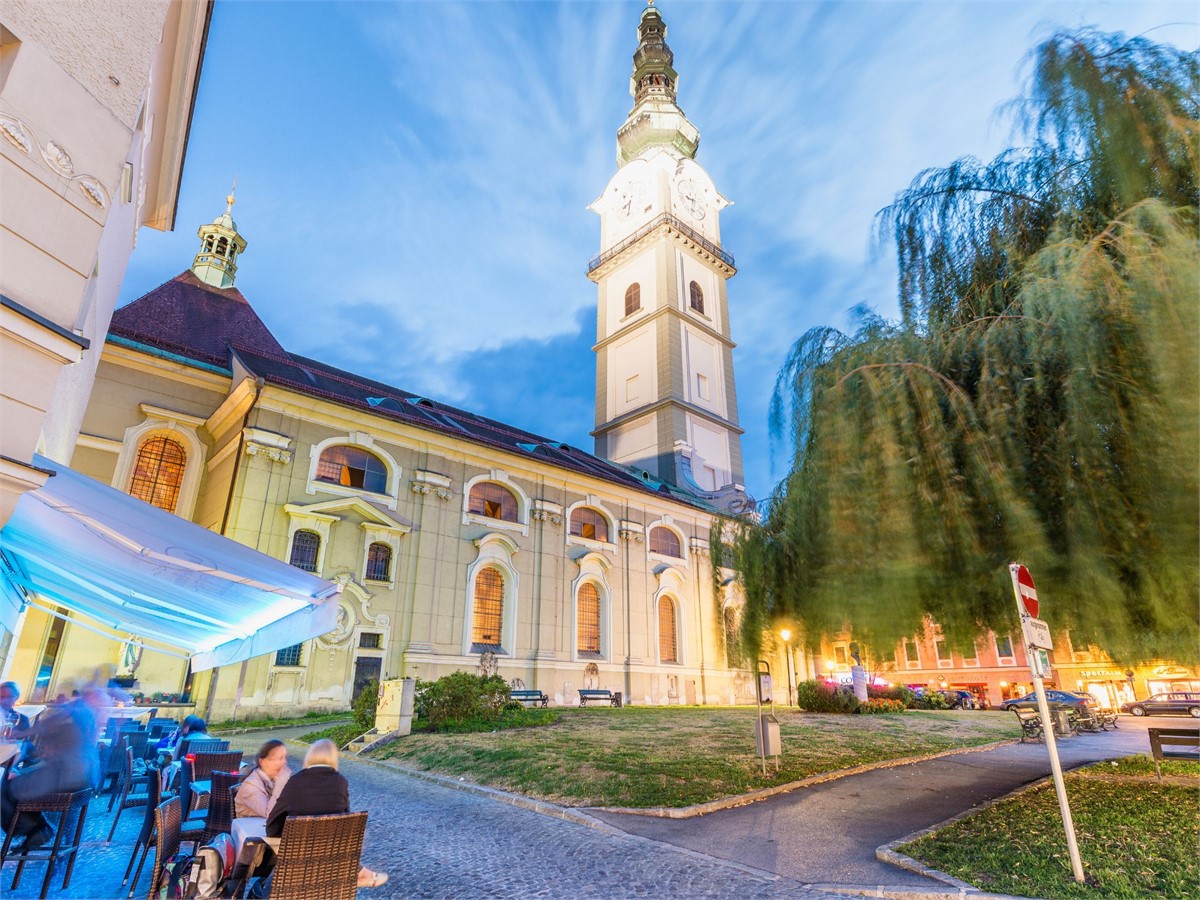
[[786, 634]]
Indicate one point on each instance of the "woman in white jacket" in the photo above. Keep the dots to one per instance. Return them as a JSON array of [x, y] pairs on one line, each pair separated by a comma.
[[257, 793]]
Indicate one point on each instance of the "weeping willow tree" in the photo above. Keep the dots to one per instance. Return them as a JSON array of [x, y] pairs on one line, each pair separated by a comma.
[[1036, 399]]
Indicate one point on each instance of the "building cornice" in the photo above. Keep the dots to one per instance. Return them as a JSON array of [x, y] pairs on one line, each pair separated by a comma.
[[663, 312], [660, 404]]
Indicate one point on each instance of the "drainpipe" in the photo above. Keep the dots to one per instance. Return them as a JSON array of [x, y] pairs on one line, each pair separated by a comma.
[[210, 697]]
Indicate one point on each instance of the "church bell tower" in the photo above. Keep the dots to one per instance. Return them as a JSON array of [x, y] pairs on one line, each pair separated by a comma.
[[665, 398]]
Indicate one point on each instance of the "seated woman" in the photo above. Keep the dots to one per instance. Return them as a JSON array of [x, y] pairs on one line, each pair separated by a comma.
[[259, 790], [318, 789]]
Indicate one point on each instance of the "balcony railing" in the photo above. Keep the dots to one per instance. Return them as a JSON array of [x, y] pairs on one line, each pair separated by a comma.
[[665, 219]]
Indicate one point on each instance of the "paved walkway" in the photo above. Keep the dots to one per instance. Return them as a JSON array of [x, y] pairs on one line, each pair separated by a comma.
[[815, 842]]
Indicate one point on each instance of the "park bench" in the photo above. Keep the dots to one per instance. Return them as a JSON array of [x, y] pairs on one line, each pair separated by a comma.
[[586, 694], [535, 697], [1031, 724], [1088, 720], [1174, 743]]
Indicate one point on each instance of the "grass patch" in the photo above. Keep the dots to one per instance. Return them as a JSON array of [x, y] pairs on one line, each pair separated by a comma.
[[510, 718], [339, 734], [1137, 838], [676, 756], [312, 718]]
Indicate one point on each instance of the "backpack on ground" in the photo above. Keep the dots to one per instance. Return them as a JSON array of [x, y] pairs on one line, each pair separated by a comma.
[[172, 883], [211, 868]]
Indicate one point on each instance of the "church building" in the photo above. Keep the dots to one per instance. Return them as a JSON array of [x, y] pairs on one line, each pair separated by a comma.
[[453, 535]]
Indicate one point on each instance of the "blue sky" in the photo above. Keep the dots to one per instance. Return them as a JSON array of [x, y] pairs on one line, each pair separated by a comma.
[[413, 177]]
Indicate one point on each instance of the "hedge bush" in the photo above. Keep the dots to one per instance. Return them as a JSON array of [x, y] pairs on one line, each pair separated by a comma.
[[880, 706], [905, 695], [460, 697], [930, 700], [819, 696]]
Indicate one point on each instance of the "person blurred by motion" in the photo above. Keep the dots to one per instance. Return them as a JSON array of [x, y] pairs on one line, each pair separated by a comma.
[[12, 723], [66, 761]]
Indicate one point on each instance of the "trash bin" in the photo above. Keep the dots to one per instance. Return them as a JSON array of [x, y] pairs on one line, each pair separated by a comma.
[[1062, 721], [766, 736]]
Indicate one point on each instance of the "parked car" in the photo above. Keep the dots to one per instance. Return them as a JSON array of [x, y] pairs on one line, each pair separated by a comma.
[[960, 699], [1056, 699], [1181, 703]]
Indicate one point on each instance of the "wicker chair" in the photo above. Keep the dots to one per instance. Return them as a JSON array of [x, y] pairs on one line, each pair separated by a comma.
[[220, 805], [167, 835], [201, 767], [148, 836], [318, 857], [112, 764], [131, 799], [65, 805], [137, 739]]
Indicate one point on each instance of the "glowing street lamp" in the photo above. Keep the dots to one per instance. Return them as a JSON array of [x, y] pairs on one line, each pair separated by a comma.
[[786, 634]]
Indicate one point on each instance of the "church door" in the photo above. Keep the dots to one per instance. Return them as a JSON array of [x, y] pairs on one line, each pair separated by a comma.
[[366, 668]]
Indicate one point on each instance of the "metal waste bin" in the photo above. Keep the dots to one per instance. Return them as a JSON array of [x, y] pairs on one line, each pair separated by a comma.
[[766, 736], [1062, 721]]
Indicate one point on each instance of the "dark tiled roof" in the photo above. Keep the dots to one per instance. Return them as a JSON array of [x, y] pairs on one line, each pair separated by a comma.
[[308, 376], [194, 319]]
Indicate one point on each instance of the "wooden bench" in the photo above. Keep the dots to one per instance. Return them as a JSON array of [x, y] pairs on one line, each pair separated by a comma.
[[609, 697], [1174, 743], [1031, 724], [537, 698]]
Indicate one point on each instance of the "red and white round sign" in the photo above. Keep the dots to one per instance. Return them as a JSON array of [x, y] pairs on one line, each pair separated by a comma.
[[1027, 591]]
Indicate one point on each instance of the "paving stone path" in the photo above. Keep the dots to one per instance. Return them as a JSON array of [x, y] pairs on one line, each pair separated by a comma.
[[437, 842]]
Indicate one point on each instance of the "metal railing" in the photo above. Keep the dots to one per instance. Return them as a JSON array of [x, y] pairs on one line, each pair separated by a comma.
[[664, 219]]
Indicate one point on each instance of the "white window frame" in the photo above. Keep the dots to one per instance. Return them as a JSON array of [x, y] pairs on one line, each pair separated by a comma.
[[684, 544], [592, 502], [176, 426], [363, 441], [593, 569], [502, 478], [496, 550]]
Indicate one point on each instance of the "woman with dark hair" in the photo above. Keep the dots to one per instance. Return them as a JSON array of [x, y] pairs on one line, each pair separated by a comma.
[[259, 790]]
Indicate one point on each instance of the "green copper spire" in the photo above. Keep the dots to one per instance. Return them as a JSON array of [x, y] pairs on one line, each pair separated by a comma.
[[656, 119], [220, 244]]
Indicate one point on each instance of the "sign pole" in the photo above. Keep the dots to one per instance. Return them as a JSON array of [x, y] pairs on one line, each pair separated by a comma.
[[1035, 643]]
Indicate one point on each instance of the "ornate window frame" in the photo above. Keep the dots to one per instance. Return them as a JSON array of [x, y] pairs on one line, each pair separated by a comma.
[[593, 570], [363, 441], [497, 551], [176, 426], [671, 584], [301, 519], [374, 533], [502, 478], [684, 543], [592, 502]]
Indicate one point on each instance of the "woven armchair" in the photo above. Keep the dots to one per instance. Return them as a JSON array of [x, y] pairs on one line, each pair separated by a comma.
[[167, 821], [318, 857], [220, 805]]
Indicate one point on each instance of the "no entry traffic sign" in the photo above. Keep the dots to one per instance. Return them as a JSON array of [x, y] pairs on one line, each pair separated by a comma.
[[1027, 592]]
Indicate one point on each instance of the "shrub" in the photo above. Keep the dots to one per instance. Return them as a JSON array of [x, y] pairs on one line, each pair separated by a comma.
[[880, 706], [460, 697], [364, 706], [905, 695], [930, 700], [819, 696]]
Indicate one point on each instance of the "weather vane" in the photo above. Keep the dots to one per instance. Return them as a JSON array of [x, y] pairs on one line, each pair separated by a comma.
[[229, 201]]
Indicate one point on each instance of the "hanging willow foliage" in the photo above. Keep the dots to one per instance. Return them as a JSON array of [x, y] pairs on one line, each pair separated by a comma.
[[1036, 401]]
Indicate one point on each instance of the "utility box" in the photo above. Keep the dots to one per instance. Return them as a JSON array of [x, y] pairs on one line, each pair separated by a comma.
[[395, 709], [766, 736]]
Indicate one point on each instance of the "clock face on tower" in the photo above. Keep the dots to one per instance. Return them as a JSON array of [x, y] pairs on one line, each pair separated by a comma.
[[629, 199], [691, 203]]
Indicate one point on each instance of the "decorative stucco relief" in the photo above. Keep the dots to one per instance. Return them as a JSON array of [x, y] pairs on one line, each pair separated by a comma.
[[56, 157], [15, 132]]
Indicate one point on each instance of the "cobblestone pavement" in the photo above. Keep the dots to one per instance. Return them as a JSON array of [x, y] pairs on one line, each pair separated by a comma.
[[439, 842]]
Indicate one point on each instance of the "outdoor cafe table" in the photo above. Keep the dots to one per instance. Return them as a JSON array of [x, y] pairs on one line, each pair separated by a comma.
[[9, 750]]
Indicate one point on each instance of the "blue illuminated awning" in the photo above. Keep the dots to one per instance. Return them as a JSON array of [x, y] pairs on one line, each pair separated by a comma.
[[93, 550]]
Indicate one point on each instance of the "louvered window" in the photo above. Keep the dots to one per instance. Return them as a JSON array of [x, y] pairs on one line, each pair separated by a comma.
[[633, 298], [696, 297]]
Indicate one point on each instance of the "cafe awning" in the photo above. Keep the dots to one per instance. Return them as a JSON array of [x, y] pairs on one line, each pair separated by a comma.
[[83, 546]]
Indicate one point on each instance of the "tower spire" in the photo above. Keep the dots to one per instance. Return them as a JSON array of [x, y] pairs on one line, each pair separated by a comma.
[[220, 244], [656, 119]]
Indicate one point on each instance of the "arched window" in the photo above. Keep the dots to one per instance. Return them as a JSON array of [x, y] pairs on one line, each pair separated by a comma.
[[665, 542], [696, 297], [733, 644], [352, 467], [494, 501], [668, 650], [158, 472], [379, 562], [306, 548], [589, 523], [587, 614], [633, 298], [489, 609]]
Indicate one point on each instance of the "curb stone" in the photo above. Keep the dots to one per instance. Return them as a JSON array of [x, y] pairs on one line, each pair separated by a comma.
[[700, 809], [889, 854]]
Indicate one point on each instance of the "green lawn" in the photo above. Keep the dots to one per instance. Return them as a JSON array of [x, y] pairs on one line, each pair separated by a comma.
[[679, 756], [1137, 838]]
